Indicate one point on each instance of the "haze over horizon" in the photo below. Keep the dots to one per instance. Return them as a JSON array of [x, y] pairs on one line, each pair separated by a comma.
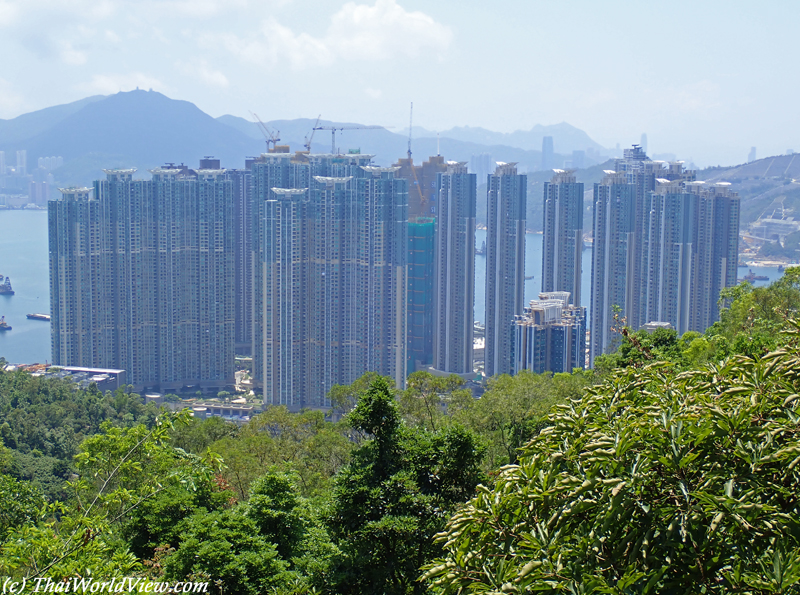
[[705, 82]]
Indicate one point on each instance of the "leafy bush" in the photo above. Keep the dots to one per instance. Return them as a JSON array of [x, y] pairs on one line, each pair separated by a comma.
[[653, 482]]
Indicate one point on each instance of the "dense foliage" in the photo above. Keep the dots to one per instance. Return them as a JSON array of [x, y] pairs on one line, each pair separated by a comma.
[[652, 482], [43, 422]]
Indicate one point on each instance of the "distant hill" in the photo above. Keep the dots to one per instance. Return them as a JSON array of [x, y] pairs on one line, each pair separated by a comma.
[[566, 138], [33, 123], [765, 186], [140, 129], [144, 129]]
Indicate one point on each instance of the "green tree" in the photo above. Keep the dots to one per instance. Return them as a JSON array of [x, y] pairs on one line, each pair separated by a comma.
[[512, 410], [226, 547], [119, 470], [302, 442], [392, 498], [427, 399], [652, 482]]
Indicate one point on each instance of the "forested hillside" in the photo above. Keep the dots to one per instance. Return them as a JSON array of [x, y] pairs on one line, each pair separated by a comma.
[[672, 468]]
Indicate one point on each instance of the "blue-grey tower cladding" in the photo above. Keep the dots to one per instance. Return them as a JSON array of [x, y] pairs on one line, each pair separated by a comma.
[[505, 265], [141, 277], [330, 274]]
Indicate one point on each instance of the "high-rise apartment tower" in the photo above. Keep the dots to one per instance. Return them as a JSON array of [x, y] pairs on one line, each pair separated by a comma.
[[505, 264], [330, 244], [562, 249], [141, 277], [454, 270]]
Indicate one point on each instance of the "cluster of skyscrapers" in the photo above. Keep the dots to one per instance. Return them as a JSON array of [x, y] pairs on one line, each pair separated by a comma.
[[20, 185], [325, 266]]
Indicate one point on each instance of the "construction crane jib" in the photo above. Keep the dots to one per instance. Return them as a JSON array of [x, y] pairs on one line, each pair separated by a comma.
[[269, 135], [333, 130]]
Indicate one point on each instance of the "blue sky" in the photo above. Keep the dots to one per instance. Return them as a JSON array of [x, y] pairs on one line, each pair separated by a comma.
[[705, 80]]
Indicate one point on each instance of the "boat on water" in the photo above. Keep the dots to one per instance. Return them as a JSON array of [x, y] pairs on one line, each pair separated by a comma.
[[529, 277], [751, 276], [5, 286], [39, 317], [482, 250], [4, 326]]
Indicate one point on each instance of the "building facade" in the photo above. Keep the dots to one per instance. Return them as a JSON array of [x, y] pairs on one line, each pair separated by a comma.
[[421, 234], [613, 257], [141, 276], [665, 246], [454, 270], [562, 245], [330, 266], [505, 264], [551, 335]]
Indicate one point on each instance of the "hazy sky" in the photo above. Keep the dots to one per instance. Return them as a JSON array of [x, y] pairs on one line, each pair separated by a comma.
[[706, 80]]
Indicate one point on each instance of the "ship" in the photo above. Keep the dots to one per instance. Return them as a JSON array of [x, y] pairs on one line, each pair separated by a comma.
[[5, 286], [4, 326], [39, 317], [528, 277], [482, 250], [751, 276]]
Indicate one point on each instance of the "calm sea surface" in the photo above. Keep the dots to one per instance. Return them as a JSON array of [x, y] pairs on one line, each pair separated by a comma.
[[23, 257]]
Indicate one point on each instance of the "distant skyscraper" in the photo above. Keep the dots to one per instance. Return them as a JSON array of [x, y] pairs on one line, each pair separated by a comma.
[[578, 159], [717, 253], [563, 235], [551, 335], [454, 270], [547, 153], [2, 163], [241, 180], [481, 165], [752, 156], [664, 247], [330, 271], [641, 173], [612, 256], [141, 278], [505, 265], [421, 248], [22, 162], [643, 142]]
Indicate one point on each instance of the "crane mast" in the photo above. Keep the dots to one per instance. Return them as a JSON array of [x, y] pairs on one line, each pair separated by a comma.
[[310, 138], [423, 203]]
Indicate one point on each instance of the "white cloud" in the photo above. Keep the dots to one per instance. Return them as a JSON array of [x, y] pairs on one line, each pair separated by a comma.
[[275, 43], [383, 31], [8, 13], [108, 84], [72, 56], [356, 32], [204, 72]]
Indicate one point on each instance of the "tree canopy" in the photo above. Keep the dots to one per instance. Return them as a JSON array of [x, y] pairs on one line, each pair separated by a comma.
[[651, 482]]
